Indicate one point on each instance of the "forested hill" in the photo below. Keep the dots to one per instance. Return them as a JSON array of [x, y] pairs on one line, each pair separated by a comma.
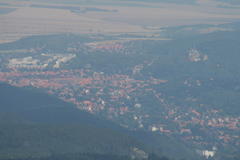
[[37, 126]]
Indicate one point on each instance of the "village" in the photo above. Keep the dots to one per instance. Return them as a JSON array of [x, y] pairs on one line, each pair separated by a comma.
[[121, 98]]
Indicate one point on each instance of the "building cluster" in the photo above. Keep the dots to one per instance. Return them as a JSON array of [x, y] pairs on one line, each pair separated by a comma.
[[133, 103]]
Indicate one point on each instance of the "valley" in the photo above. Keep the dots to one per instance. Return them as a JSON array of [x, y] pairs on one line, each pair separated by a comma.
[[119, 80], [107, 80]]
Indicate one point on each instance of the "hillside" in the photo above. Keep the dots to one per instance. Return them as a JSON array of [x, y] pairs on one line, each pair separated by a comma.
[[35, 125]]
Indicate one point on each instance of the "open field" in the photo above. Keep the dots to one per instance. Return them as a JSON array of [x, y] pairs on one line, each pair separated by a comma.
[[33, 21], [37, 18]]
